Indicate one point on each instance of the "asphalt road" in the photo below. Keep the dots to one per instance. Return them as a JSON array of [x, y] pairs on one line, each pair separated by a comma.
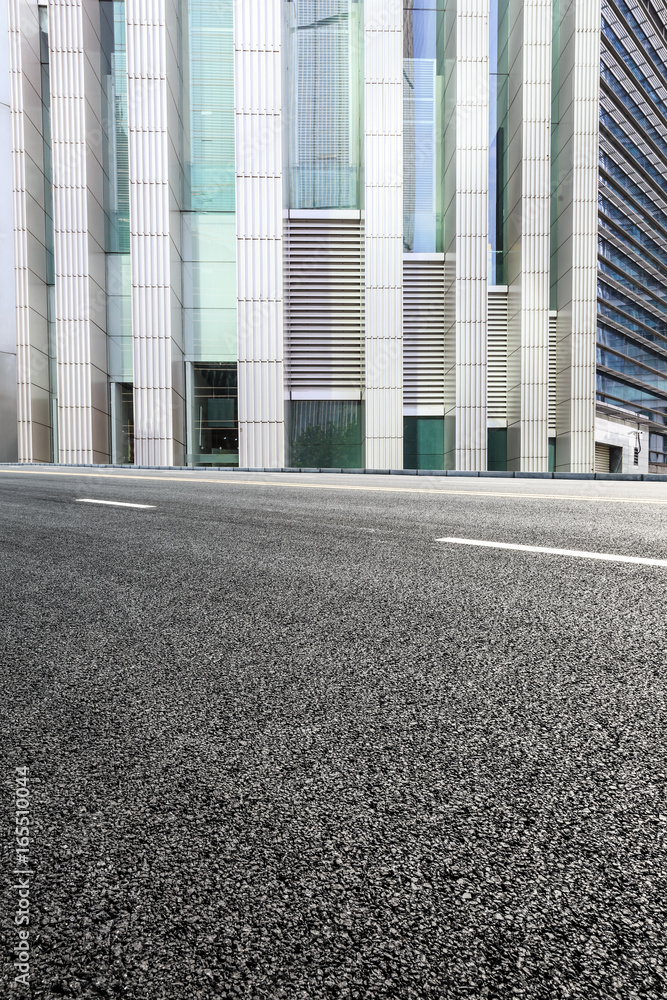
[[284, 745]]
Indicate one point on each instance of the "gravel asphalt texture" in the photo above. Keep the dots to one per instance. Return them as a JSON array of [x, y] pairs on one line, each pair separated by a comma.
[[283, 745]]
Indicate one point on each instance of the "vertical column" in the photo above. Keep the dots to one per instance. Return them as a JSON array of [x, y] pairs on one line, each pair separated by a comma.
[[19, 308], [157, 355], [576, 250], [472, 169], [259, 233], [383, 164], [528, 235], [79, 287]]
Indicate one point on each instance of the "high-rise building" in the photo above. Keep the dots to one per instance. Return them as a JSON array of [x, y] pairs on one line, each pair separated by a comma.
[[335, 233]]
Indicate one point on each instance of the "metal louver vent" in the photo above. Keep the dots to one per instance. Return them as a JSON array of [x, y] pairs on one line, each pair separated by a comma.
[[497, 355], [324, 304], [423, 331], [552, 374]]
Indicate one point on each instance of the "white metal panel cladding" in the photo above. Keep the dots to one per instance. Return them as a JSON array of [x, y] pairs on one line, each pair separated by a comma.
[[472, 168], [259, 232], [577, 238], [497, 358], [71, 232], [148, 141], [423, 331], [383, 162], [324, 304], [529, 243], [21, 271]]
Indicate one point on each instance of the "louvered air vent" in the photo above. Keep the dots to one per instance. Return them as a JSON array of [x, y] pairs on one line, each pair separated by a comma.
[[423, 331], [552, 374], [324, 304], [497, 355]]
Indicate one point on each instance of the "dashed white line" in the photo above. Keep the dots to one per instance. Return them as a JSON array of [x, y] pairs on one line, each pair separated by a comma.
[[119, 503], [576, 553]]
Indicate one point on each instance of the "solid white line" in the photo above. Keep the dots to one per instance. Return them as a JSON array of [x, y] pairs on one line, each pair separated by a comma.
[[607, 556], [119, 503]]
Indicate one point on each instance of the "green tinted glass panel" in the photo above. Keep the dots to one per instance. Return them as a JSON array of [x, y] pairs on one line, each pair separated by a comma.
[[497, 449], [326, 434], [210, 171], [423, 442]]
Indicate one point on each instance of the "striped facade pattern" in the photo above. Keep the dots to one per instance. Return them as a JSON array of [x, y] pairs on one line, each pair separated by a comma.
[[383, 159], [472, 162], [21, 272], [327, 304], [577, 273], [528, 325], [71, 231], [423, 335], [324, 306], [497, 358], [259, 247], [150, 250]]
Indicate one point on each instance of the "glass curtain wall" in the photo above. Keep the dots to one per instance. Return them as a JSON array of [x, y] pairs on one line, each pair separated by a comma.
[[423, 125], [117, 228], [209, 232], [324, 96], [47, 166], [632, 220], [498, 137]]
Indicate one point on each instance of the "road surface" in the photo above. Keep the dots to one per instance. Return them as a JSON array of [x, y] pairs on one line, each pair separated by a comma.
[[284, 744]]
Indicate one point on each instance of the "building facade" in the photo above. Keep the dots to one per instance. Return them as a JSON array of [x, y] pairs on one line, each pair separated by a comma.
[[373, 234]]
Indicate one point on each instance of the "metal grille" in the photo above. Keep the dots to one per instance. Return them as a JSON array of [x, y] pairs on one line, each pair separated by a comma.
[[324, 303], [497, 356], [423, 331]]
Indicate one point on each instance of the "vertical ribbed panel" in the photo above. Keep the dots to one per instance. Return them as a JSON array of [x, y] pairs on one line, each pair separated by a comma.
[[259, 228], [553, 320], [472, 168], [578, 136], [423, 331], [497, 358], [529, 234], [70, 223], [147, 101], [383, 162], [25, 449], [324, 304]]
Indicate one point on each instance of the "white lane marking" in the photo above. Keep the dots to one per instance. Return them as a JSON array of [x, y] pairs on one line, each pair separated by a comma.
[[119, 503], [607, 556], [336, 486]]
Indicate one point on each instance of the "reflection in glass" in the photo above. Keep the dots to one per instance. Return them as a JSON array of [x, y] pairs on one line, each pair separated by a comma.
[[214, 418], [498, 114], [423, 125], [209, 156], [324, 68], [122, 423], [326, 434]]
